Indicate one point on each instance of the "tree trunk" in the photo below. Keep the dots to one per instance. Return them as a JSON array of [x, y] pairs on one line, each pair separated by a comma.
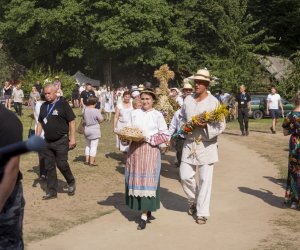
[[107, 72]]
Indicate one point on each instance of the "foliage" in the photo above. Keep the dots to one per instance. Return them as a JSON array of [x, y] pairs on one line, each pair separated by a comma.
[[6, 66], [46, 76], [289, 87]]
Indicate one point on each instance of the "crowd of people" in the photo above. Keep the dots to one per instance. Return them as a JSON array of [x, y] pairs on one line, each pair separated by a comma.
[[133, 107]]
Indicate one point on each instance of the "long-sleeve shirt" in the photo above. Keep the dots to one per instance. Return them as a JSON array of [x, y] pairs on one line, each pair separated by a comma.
[[176, 123]]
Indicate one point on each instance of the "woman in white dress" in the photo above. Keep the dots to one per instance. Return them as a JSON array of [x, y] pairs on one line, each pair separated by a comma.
[[144, 160], [122, 118], [109, 104]]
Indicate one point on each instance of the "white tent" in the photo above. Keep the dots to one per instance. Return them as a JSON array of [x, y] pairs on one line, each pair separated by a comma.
[[82, 78]]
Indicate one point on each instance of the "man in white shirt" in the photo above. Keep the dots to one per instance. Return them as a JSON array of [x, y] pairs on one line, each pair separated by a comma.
[[273, 104]]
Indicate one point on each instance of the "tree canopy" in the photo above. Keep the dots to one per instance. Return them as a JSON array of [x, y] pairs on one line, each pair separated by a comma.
[[130, 38]]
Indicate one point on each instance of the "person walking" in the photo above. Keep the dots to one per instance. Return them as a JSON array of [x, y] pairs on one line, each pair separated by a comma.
[[122, 118], [33, 97], [42, 167], [143, 163], [7, 94], [12, 202], [18, 96], [85, 94], [92, 119], [243, 104], [75, 96], [273, 104], [200, 149], [291, 126], [109, 104], [57, 119]]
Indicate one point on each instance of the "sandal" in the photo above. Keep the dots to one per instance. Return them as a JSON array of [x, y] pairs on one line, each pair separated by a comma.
[[201, 220]]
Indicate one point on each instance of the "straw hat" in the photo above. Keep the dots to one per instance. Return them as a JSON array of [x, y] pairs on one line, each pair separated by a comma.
[[187, 86], [176, 89], [56, 77], [141, 87], [149, 92], [202, 74]]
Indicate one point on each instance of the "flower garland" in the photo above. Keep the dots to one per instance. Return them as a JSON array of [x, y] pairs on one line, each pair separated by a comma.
[[215, 116]]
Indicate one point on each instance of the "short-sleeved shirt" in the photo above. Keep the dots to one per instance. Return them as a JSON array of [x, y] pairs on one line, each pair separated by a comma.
[[273, 101], [242, 100], [86, 94], [11, 131], [55, 119]]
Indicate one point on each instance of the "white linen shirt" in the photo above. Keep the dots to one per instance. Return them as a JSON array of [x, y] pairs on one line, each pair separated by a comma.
[[149, 122], [205, 151]]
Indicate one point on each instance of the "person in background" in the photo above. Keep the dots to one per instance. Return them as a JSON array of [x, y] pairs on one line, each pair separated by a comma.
[[175, 95], [92, 119], [33, 97], [137, 103], [122, 118], [109, 104], [18, 96], [291, 126], [75, 96], [85, 94], [273, 104], [7, 94], [11, 192], [57, 119], [186, 90], [243, 104], [37, 108], [81, 88], [38, 86], [144, 159], [57, 84]]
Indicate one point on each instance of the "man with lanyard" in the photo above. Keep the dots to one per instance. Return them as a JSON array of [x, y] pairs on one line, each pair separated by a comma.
[[85, 94], [11, 192], [273, 104], [243, 103], [200, 149], [57, 119]]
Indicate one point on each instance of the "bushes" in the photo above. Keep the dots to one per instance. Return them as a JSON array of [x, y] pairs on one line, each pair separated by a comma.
[[47, 77]]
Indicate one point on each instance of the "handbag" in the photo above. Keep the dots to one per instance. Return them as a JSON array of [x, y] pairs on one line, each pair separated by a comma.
[[31, 132], [80, 128]]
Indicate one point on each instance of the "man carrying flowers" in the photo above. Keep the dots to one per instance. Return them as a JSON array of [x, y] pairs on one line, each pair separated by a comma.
[[205, 120]]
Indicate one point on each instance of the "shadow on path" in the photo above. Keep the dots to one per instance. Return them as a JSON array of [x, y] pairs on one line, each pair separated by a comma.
[[265, 195], [62, 186], [280, 182]]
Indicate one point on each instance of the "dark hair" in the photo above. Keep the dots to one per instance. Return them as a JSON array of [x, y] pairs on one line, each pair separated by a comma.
[[91, 101], [88, 84], [126, 93]]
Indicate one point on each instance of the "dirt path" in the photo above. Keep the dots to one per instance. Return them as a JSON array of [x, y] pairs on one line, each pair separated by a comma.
[[245, 200]]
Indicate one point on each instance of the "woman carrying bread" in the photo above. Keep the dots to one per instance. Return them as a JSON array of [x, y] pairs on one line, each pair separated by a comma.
[[143, 163]]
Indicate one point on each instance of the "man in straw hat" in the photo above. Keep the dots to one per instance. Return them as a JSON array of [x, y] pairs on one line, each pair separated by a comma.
[[187, 88], [200, 148]]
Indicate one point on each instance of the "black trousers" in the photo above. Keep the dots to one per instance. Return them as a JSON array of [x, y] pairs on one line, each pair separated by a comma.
[[11, 220], [178, 147], [243, 118], [56, 154], [18, 108], [42, 166]]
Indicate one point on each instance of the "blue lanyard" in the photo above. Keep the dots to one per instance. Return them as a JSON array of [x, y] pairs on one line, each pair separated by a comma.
[[49, 111]]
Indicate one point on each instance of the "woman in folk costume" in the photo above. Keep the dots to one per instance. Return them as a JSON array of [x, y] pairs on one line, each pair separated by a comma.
[[109, 104], [144, 160], [122, 118], [200, 149]]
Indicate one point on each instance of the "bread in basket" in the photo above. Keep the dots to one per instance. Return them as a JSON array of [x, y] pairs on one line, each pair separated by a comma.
[[130, 134]]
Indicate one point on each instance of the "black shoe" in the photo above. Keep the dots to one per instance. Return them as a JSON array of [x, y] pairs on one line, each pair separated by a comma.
[[71, 189], [247, 133], [192, 209], [49, 196], [243, 133], [142, 225], [150, 216], [272, 130]]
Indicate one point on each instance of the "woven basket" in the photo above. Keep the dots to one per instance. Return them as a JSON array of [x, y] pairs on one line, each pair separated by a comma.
[[130, 134]]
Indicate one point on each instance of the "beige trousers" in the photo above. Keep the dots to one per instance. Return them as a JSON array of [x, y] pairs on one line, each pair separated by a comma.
[[197, 193]]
